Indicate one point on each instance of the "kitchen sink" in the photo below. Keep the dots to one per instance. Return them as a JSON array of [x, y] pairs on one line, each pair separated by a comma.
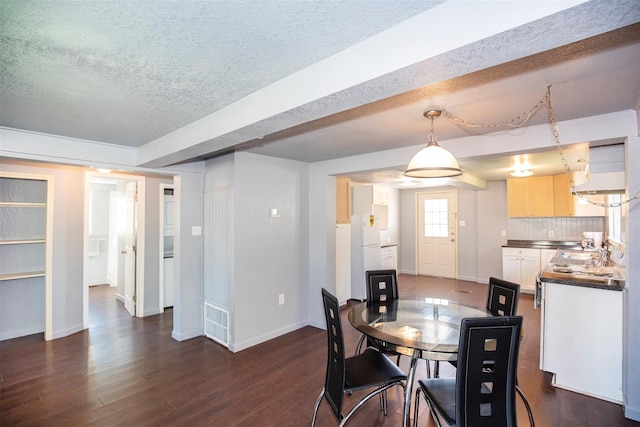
[[583, 256]]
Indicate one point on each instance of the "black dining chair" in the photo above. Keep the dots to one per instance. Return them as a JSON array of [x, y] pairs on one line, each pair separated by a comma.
[[503, 297], [484, 388], [370, 369], [502, 300], [382, 286]]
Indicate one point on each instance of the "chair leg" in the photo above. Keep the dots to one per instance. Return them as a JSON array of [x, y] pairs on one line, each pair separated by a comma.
[[416, 407], [384, 402], [367, 397], [436, 369], [359, 346], [432, 410], [426, 361], [315, 408]]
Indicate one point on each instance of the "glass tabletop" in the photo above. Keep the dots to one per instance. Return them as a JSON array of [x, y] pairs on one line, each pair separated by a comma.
[[428, 324]]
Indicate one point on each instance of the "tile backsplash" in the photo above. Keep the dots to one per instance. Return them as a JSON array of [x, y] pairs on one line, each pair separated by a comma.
[[563, 228]]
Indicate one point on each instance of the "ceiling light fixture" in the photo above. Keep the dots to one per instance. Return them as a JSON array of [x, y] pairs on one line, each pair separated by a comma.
[[104, 170], [520, 173], [433, 161]]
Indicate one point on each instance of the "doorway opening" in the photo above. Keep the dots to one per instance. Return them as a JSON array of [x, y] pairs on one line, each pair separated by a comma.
[[111, 227], [166, 246]]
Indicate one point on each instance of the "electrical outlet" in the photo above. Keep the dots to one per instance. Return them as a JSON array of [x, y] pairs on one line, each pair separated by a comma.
[[503, 233], [281, 299], [551, 234]]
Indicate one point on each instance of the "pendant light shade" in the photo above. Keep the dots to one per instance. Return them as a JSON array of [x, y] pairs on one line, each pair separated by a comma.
[[433, 161]]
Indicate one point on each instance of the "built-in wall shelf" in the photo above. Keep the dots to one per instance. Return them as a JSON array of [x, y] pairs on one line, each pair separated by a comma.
[[23, 205], [21, 242], [26, 256], [22, 275]]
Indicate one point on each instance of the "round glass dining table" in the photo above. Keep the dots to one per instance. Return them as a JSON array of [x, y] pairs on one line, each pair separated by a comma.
[[427, 328]]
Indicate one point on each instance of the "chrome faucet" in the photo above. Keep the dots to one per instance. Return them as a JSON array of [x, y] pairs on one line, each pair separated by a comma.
[[603, 251]]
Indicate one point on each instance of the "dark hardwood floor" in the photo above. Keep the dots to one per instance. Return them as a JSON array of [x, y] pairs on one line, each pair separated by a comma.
[[127, 371]]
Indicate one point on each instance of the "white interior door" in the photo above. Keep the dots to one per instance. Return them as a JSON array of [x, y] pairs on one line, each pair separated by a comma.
[[437, 234], [129, 250]]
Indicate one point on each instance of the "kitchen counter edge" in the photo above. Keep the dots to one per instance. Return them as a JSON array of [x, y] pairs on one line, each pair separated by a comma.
[[543, 244], [548, 277]]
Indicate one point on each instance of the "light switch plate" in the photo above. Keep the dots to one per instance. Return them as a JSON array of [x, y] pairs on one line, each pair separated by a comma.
[[196, 230]]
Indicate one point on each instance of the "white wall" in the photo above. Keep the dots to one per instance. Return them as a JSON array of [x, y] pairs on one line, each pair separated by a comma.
[[491, 221], [631, 386], [468, 236], [188, 259], [269, 254]]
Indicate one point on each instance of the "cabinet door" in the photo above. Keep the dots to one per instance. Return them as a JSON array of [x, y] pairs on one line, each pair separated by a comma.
[[343, 200], [541, 196], [511, 268], [530, 267], [362, 201], [562, 197], [545, 256], [517, 197], [380, 195]]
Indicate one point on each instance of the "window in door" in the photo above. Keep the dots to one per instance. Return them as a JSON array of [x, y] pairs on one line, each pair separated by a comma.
[[436, 218]]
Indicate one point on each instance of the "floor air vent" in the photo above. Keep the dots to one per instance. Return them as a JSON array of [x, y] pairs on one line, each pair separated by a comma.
[[216, 324]]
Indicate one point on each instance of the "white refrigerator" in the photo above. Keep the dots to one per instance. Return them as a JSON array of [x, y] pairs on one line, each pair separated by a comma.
[[365, 253]]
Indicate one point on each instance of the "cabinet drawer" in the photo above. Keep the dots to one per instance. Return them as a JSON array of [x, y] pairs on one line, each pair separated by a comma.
[[521, 252], [389, 250]]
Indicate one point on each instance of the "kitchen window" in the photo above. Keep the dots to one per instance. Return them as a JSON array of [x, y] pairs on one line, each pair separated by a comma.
[[614, 216]]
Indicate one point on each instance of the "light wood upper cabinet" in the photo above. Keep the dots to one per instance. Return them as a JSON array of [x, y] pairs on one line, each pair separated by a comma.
[[343, 200], [563, 203], [547, 196], [541, 201], [518, 197], [532, 196]]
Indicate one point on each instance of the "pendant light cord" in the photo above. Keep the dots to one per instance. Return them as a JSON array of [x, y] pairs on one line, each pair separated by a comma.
[[521, 120]]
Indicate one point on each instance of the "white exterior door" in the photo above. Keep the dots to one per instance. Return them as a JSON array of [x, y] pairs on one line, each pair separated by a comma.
[[129, 250], [437, 234]]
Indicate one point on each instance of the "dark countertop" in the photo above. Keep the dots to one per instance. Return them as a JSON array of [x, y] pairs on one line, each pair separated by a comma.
[[543, 244], [386, 245], [585, 270]]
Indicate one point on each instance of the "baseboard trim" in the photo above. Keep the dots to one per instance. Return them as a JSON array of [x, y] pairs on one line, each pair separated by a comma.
[[69, 331], [266, 337], [632, 413], [185, 336]]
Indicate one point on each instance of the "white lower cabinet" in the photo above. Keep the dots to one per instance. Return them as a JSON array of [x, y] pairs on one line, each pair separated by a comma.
[[581, 339], [545, 257], [389, 258], [521, 265]]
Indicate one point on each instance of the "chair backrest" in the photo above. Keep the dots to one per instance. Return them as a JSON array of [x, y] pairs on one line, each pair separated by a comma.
[[334, 382], [503, 297], [382, 285], [486, 371]]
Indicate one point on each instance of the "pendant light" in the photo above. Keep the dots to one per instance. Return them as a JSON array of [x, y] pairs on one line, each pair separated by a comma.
[[433, 161]]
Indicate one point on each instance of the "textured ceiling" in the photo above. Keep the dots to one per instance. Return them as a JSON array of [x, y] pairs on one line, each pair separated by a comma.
[[127, 72], [305, 80]]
